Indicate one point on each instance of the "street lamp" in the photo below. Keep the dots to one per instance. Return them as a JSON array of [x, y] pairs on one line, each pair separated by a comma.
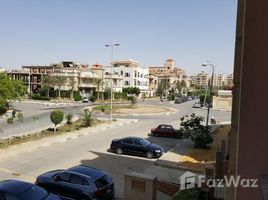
[[209, 86], [112, 54]]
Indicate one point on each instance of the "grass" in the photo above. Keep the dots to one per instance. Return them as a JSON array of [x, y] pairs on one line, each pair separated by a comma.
[[198, 159], [64, 129]]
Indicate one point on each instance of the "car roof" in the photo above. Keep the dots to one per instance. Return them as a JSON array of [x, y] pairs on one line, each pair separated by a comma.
[[133, 137], [90, 172], [164, 125], [14, 186]]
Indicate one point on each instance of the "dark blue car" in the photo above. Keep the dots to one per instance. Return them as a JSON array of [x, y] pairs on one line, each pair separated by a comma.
[[136, 146], [20, 190], [79, 182]]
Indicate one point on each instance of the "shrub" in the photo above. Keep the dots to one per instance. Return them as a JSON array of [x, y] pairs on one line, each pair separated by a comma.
[[38, 97], [92, 98], [192, 128], [20, 117], [87, 119], [10, 120], [56, 117], [77, 96], [69, 117]]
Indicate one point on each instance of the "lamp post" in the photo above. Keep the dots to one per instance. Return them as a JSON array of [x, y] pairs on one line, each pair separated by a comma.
[[210, 86], [112, 52]]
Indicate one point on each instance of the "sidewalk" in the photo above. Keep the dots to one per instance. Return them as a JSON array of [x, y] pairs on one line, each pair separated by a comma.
[[173, 157]]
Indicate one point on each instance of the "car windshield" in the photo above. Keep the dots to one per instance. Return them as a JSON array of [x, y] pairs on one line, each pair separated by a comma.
[[103, 181], [144, 142], [33, 193]]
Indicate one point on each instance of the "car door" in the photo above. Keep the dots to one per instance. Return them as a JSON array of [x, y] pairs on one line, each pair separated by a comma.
[[61, 184], [138, 147], [127, 145], [163, 130], [78, 185], [170, 131]]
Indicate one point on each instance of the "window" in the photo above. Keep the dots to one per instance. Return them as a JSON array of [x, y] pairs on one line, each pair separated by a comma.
[[103, 181], [127, 83], [63, 177], [127, 141], [76, 179], [122, 73], [127, 74], [137, 142]]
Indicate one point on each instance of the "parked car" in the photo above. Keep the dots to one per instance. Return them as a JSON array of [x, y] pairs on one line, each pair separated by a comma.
[[136, 146], [197, 105], [85, 100], [164, 99], [79, 182], [166, 130], [20, 190], [179, 100]]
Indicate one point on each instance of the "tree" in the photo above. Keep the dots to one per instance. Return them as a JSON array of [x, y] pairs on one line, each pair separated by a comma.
[[132, 90], [87, 119], [20, 117], [181, 85], [192, 128], [72, 83], [9, 90], [59, 81], [98, 82], [36, 119], [56, 117], [46, 82]]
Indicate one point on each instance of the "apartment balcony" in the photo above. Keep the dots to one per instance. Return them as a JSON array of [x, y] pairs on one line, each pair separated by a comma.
[[87, 85]]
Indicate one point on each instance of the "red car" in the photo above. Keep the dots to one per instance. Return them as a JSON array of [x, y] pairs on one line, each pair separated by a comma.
[[166, 130]]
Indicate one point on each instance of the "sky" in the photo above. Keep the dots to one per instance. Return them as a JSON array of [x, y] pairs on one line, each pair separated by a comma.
[[36, 32]]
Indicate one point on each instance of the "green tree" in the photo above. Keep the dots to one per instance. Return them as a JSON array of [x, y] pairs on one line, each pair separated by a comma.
[[192, 128], [9, 90], [56, 117], [87, 118], [59, 82], [98, 82], [132, 90], [47, 82]]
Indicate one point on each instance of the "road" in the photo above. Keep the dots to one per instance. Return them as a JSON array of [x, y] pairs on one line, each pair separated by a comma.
[[92, 150]]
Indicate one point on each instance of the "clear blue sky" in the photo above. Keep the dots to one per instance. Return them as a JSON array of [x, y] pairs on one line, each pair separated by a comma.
[[149, 31]]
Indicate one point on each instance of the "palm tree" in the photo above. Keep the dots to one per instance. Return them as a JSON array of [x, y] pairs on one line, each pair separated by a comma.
[[47, 81], [98, 82], [72, 83], [59, 81]]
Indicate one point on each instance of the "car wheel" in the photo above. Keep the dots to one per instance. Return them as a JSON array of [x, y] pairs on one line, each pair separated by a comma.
[[119, 151], [149, 155], [156, 134]]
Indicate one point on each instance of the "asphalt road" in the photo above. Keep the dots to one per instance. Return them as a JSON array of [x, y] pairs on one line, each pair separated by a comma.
[[92, 150]]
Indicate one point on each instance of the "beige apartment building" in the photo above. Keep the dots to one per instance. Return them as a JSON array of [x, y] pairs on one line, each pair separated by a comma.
[[168, 72]]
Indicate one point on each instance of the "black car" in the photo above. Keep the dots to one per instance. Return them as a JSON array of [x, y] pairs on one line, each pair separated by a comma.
[[20, 190], [166, 130], [79, 182], [136, 146]]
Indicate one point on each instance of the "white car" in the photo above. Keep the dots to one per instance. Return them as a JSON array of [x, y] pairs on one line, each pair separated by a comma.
[[85, 100]]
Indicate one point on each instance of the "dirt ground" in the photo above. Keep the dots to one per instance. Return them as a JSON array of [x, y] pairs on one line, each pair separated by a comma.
[[142, 110]]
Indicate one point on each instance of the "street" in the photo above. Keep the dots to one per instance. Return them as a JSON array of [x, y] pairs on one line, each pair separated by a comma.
[[92, 149]]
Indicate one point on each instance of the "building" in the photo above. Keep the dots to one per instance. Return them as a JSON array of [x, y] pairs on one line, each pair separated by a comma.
[[169, 74], [229, 80], [218, 80], [247, 144], [31, 76], [127, 73], [201, 79]]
